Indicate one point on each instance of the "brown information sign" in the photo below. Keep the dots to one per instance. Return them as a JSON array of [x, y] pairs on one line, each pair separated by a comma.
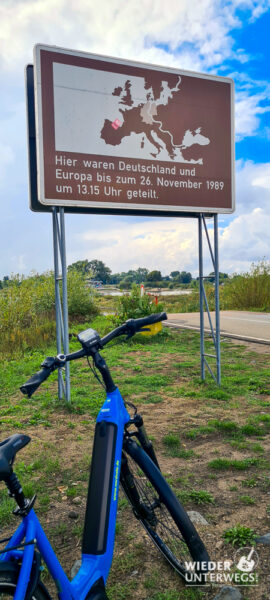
[[114, 134]]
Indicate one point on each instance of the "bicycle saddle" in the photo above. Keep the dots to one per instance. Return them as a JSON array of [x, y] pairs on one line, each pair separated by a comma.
[[8, 450]]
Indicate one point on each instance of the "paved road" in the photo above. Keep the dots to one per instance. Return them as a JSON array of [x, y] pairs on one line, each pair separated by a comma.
[[250, 326]]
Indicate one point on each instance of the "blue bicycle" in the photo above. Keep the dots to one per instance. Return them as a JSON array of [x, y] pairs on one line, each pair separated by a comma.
[[122, 453]]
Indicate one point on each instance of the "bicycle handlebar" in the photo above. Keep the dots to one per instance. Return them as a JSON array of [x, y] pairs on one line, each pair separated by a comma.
[[130, 327], [35, 381]]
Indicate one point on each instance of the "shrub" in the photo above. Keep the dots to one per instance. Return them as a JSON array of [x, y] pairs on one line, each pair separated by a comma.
[[27, 308], [81, 299], [250, 290], [134, 306]]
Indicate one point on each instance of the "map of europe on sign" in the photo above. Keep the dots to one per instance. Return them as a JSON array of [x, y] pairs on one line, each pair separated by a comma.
[[124, 135], [125, 116]]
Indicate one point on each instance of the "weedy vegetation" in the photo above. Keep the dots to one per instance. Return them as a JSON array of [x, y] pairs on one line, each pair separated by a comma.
[[239, 535]]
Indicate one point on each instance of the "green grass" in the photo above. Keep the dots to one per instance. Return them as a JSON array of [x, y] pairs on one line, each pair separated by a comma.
[[6, 507], [224, 464], [174, 448], [251, 482], [247, 500], [256, 426], [145, 383], [196, 496]]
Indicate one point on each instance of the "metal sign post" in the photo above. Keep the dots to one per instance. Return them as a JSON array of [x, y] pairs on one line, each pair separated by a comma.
[[61, 299], [204, 302]]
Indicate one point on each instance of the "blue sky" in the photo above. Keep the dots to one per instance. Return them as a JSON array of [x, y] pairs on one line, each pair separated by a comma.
[[229, 38]]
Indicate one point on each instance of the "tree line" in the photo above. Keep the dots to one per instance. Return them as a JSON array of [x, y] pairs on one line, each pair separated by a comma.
[[96, 270]]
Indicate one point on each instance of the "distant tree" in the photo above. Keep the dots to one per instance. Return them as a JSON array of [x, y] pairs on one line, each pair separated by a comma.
[[185, 277], [115, 278], [125, 283], [174, 274], [131, 274], [93, 268], [81, 266], [211, 277], [100, 271], [141, 274], [137, 276], [5, 281], [154, 276]]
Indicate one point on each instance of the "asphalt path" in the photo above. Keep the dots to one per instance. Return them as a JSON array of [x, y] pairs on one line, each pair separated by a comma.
[[249, 326]]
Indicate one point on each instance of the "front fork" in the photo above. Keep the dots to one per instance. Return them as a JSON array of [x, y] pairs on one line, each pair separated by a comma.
[[142, 437], [141, 509]]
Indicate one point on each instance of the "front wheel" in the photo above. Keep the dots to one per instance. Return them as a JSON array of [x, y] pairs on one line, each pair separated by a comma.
[[159, 511], [8, 581]]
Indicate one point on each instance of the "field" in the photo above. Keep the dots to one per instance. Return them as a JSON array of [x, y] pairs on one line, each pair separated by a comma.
[[213, 445]]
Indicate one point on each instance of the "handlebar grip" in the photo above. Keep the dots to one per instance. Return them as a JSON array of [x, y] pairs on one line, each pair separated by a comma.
[[137, 324], [35, 381]]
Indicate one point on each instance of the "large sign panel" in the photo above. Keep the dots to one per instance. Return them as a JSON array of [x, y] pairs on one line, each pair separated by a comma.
[[114, 134]]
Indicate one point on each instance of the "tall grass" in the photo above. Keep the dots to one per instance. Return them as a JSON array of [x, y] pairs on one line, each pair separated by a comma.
[[188, 302], [27, 310], [248, 291]]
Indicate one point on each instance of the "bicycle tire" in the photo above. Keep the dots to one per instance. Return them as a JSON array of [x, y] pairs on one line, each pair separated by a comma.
[[8, 581], [161, 514]]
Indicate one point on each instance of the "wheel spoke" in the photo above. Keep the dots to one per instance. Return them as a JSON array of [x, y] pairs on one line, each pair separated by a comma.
[[164, 532]]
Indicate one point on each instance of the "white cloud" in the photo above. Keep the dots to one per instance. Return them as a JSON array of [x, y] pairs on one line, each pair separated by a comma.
[[247, 113], [245, 240], [258, 7], [126, 29], [252, 186], [263, 181], [164, 244]]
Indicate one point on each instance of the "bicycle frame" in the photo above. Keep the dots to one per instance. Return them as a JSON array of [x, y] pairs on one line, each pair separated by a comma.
[[100, 516]]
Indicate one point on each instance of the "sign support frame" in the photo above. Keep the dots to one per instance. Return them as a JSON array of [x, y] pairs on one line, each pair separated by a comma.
[[61, 304], [204, 302]]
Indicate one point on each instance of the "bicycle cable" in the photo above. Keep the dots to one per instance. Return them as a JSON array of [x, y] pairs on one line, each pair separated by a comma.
[[126, 403], [95, 373]]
